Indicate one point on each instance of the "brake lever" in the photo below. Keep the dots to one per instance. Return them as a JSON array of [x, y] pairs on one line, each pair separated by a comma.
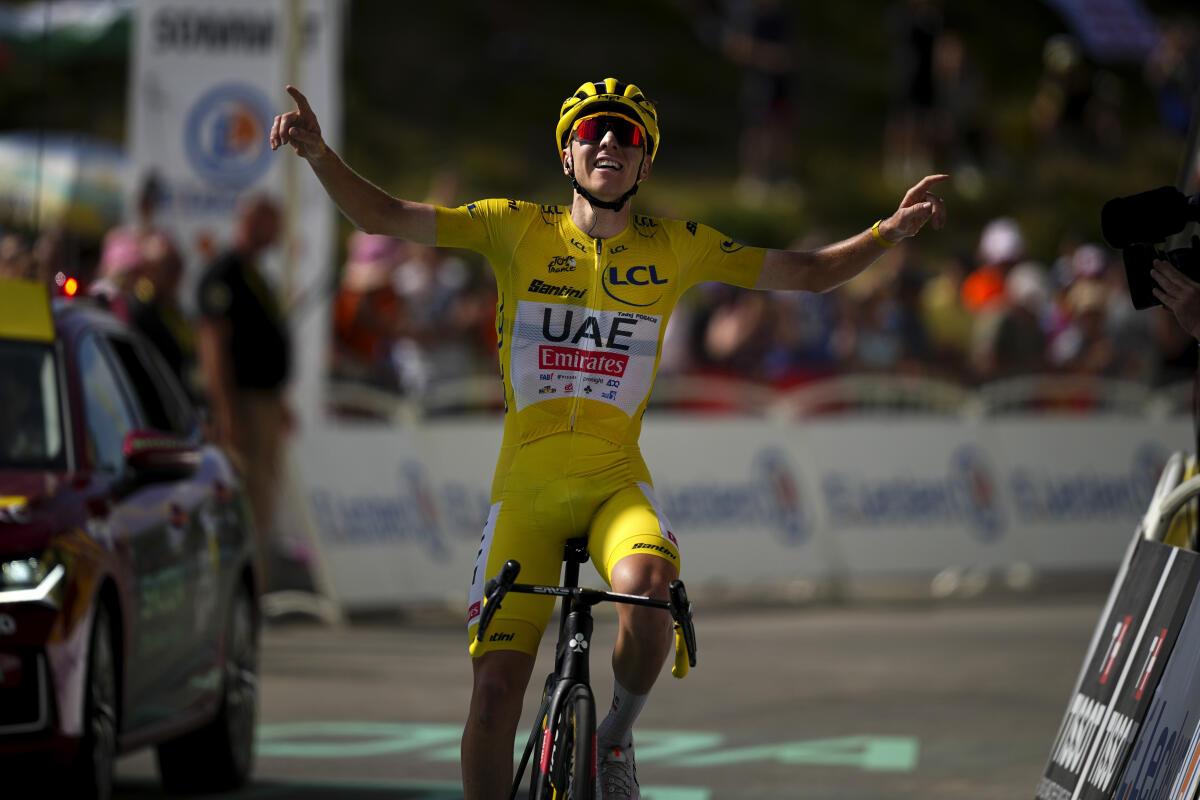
[[681, 612], [493, 594]]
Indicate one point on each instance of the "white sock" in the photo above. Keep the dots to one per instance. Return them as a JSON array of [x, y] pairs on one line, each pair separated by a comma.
[[617, 727]]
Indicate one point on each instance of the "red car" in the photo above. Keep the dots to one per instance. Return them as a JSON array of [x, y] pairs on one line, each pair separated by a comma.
[[128, 611]]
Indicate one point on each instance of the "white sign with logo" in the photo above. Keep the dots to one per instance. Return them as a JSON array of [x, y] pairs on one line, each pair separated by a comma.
[[759, 503], [207, 82]]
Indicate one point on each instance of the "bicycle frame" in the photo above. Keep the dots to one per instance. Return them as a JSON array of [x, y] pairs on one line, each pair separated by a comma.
[[571, 663]]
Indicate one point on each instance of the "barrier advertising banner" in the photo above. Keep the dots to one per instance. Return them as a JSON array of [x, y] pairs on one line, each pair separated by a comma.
[[207, 82], [1164, 763], [1121, 674], [758, 503]]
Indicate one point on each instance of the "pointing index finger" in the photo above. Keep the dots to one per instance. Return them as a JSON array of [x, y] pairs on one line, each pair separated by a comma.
[[917, 193], [929, 180], [301, 100]]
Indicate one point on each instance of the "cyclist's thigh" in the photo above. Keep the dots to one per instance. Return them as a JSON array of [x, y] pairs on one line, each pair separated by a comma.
[[512, 532], [631, 522]]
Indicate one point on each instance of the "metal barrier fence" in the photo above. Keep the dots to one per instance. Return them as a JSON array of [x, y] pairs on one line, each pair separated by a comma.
[[855, 394]]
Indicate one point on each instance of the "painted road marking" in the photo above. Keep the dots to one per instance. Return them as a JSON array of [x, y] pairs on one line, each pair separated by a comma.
[[439, 742]]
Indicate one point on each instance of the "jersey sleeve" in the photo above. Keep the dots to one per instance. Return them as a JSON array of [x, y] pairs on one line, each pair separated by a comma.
[[709, 255], [489, 227]]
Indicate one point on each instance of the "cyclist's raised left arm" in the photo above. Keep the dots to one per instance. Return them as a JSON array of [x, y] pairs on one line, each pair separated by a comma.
[[830, 266]]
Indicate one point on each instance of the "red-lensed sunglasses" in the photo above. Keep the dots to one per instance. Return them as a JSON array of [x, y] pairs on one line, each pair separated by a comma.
[[592, 129]]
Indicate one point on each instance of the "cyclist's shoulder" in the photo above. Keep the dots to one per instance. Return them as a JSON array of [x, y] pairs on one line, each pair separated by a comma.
[[677, 232]]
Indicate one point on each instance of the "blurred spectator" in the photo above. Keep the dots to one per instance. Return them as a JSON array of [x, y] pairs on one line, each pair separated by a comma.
[[800, 347], [368, 312], [759, 41], [882, 329], [1001, 245], [737, 332], [1063, 91], [121, 266], [245, 359], [1173, 71], [15, 259], [156, 312], [1075, 106], [947, 321], [1085, 346], [1010, 339], [448, 307]]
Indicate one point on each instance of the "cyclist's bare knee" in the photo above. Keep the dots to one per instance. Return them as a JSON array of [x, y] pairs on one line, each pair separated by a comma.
[[500, 681], [643, 574]]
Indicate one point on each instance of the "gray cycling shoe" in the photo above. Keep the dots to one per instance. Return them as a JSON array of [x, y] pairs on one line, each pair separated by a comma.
[[617, 774]]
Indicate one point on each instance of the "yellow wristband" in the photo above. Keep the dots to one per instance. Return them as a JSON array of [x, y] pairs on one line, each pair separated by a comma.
[[878, 237]]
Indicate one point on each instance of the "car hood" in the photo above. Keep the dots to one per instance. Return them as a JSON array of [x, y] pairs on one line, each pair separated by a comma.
[[28, 517], [27, 488]]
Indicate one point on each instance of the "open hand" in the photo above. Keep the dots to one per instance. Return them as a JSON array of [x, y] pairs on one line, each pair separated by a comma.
[[299, 128], [918, 207]]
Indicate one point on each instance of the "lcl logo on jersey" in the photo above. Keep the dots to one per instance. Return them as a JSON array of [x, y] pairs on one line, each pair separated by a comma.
[[618, 281]]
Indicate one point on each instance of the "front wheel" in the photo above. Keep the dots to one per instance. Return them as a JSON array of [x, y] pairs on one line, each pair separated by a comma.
[[92, 775], [220, 756], [573, 761]]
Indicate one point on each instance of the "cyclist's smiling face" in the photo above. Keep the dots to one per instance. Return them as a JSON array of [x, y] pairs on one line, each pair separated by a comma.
[[605, 168]]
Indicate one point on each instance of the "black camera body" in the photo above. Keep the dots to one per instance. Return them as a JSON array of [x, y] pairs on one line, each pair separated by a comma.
[[1138, 224]]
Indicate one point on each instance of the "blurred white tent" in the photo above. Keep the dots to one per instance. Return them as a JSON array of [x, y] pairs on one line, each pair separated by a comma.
[[72, 182]]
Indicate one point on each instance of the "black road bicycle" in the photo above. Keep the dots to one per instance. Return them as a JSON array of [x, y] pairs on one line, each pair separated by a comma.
[[563, 739]]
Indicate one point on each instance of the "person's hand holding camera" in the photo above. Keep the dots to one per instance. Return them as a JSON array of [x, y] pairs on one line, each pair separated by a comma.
[[1180, 294]]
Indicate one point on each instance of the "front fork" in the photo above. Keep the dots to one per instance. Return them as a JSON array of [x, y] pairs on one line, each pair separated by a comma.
[[571, 669]]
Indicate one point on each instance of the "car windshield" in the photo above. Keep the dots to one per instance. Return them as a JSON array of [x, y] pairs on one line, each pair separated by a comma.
[[31, 429]]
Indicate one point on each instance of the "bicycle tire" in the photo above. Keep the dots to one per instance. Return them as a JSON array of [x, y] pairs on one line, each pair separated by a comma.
[[572, 768]]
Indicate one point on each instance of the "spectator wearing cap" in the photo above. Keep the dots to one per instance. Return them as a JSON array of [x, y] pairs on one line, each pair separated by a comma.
[[1001, 245], [245, 360]]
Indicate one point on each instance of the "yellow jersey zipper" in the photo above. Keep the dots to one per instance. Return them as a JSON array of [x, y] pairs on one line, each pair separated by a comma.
[[596, 279]]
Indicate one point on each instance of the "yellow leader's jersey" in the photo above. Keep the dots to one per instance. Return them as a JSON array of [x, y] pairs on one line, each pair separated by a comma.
[[581, 321]]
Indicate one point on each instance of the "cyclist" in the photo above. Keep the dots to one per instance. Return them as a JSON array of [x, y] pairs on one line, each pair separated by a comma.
[[585, 292]]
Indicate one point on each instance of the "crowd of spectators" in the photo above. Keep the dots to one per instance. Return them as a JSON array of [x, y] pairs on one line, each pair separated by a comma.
[[407, 319]]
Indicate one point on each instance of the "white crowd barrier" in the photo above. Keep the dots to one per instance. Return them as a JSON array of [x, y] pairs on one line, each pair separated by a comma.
[[775, 500]]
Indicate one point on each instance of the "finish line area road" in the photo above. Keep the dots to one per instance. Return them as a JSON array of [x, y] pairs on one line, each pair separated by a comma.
[[860, 702]]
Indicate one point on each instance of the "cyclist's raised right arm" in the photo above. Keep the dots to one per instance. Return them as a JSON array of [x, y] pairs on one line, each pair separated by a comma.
[[366, 205]]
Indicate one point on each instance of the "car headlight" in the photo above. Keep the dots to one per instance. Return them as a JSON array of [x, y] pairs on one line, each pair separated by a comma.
[[33, 579]]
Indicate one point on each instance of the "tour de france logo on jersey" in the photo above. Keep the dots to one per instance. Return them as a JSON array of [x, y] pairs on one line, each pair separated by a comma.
[[226, 135], [784, 498], [976, 487]]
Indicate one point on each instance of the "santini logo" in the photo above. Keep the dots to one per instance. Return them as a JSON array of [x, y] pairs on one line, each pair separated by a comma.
[[658, 548], [540, 287]]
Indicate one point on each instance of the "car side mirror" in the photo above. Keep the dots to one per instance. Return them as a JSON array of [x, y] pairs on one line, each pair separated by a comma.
[[158, 456]]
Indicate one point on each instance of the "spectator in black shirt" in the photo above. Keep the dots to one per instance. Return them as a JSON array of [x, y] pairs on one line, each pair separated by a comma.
[[155, 311], [245, 361]]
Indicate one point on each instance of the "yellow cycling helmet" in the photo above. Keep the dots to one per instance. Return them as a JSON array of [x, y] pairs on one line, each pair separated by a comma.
[[609, 94]]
